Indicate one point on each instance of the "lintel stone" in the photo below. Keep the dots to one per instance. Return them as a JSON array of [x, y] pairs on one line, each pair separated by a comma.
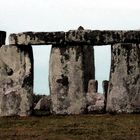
[[37, 38], [82, 37]]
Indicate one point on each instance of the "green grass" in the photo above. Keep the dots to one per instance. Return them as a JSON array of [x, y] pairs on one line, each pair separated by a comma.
[[82, 127]]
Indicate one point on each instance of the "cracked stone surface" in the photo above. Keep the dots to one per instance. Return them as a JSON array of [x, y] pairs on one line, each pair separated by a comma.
[[71, 67], [16, 80], [124, 86]]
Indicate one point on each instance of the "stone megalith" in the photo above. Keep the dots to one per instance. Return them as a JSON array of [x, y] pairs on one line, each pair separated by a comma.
[[105, 90], [124, 85], [16, 80], [71, 67], [2, 37]]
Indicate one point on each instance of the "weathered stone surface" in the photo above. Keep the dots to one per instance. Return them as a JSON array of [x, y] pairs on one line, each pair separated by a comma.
[[2, 37], [16, 80], [75, 37], [71, 67], [44, 104], [124, 85], [43, 107], [105, 37], [95, 101], [37, 38]]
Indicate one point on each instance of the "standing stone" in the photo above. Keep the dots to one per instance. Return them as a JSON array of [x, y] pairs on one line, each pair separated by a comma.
[[71, 67], [2, 37], [92, 86], [105, 90], [95, 101], [124, 85], [16, 80]]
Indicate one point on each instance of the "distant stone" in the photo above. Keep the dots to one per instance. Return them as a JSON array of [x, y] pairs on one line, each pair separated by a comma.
[[2, 37], [44, 104], [80, 28], [105, 84], [95, 101], [16, 80], [92, 86]]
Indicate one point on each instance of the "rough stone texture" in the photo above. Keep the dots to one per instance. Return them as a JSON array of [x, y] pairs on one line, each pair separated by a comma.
[[71, 67], [75, 37], [2, 37], [124, 86], [37, 38], [105, 37], [44, 104], [95, 101], [16, 80]]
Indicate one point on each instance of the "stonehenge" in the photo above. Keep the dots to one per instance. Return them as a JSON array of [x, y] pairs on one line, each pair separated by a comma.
[[73, 88]]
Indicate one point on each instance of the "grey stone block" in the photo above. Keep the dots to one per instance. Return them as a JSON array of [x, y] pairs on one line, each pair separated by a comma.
[[71, 67], [16, 80], [124, 85]]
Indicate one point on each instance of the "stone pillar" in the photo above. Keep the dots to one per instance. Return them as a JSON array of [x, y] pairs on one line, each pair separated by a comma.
[[124, 85], [2, 37], [71, 67], [105, 90], [16, 80]]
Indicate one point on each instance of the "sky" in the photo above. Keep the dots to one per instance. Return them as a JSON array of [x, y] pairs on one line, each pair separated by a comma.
[[63, 15]]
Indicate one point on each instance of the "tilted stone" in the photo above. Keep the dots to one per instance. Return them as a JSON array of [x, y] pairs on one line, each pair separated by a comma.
[[71, 67], [85, 37], [37, 38], [16, 80], [2, 37], [124, 85]]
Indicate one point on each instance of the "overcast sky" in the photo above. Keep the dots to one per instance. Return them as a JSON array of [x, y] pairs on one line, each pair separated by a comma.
[[56, 15]]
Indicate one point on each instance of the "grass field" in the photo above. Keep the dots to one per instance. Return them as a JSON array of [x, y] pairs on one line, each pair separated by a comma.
[[82, 127]]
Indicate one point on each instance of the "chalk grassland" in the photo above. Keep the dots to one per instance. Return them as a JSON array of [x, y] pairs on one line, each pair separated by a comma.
[[82, 127]]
